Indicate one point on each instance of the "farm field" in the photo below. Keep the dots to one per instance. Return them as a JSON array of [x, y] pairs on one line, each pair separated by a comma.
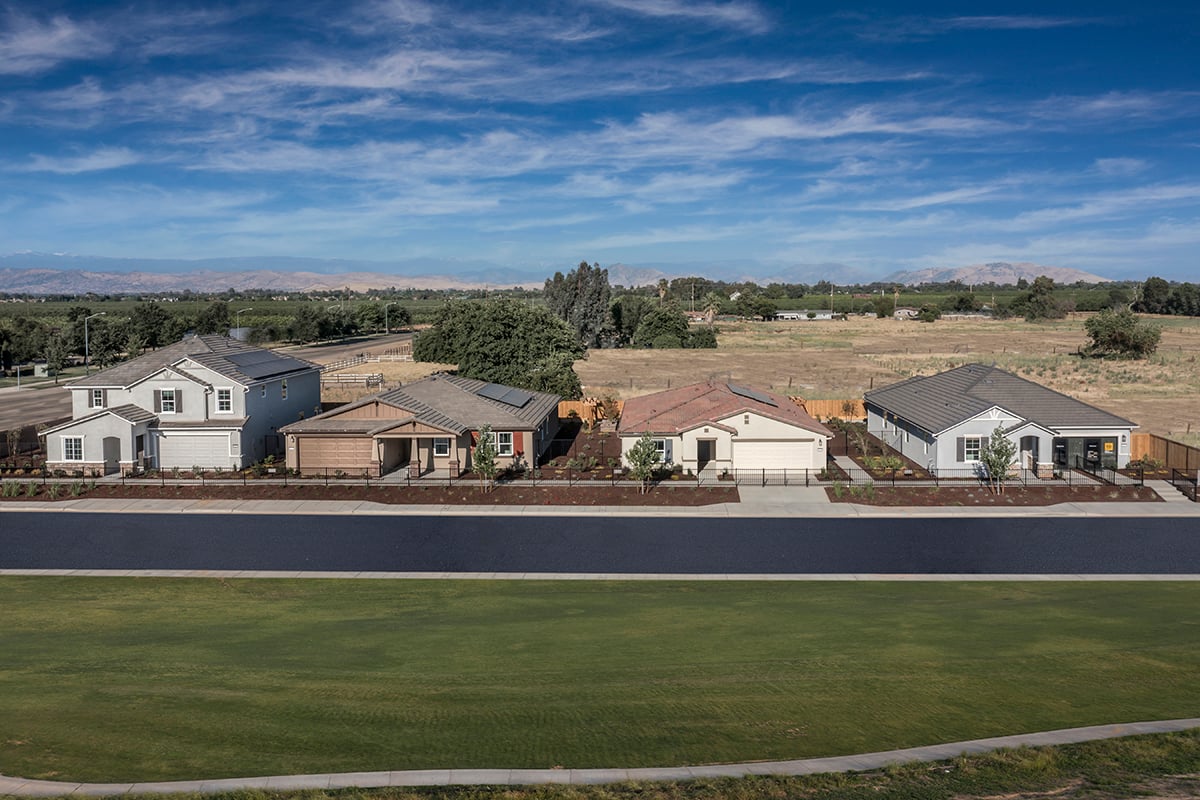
[[138, 678], [834, 359]]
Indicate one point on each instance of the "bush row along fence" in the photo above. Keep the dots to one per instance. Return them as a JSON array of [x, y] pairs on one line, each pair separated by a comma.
[[1172, 454]]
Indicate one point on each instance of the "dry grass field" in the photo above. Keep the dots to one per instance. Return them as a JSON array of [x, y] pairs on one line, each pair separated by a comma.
[[833, 359]]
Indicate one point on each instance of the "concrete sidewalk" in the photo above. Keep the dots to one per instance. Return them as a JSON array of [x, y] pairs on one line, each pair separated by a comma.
[[521, 777], [757, 502]]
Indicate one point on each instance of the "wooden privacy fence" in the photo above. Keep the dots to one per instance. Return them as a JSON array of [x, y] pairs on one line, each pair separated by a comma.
[[852, 409], [590, 409], [1173, 454]]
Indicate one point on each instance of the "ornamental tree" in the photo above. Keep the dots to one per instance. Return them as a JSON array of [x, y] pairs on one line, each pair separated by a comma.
[[643, 459], [997, 455], [483, 460]]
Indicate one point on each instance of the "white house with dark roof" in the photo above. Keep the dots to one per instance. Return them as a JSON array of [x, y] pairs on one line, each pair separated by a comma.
[[207, 401], [943, 420], [429, 426]]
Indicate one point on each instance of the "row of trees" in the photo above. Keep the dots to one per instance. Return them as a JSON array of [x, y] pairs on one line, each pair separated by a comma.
[[107, 339]]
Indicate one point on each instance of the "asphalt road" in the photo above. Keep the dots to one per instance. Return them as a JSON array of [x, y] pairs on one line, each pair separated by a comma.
[[1020, 545]]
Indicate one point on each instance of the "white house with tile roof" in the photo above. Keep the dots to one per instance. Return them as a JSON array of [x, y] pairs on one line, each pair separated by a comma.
[[207, 401], [942, 421], [726, 426]]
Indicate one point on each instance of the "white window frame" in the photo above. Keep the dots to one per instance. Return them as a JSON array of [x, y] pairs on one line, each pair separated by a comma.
[[264, 390], [65, 447], [96, 398], [441, 447], [660, 446], [283, 389], [504, 443], [968, 448], [225, 396], [166, 396]]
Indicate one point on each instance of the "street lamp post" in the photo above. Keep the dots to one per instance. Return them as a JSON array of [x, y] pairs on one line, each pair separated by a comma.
[[87, 350], [237, 318], [386, 327]]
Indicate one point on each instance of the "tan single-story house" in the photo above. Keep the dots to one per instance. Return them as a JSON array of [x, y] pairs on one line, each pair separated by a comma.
[[427, 427], [725, 426]]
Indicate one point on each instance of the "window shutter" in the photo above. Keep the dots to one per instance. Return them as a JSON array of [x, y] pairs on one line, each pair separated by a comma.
[[960, 445], [104, 398], [667, 450], [157, 401], [179, 401]]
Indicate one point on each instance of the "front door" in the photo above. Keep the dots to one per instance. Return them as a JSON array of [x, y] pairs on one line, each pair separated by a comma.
[[705, 452], [1029, 452]]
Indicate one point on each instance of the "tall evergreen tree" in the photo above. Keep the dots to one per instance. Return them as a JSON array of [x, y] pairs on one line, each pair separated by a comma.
[[581, 299]]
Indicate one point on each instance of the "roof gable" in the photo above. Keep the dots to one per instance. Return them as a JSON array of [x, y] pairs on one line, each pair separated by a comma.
[[237, 361], [678, 410], [937, 402]]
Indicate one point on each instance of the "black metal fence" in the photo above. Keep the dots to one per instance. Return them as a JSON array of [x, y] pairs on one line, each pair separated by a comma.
[[978, 477], [1186, 482]]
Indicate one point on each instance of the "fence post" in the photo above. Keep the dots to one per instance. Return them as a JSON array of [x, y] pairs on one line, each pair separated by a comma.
[[764, 476]]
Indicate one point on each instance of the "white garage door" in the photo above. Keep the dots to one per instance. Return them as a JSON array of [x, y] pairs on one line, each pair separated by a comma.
[[773, 455], [193, 450]]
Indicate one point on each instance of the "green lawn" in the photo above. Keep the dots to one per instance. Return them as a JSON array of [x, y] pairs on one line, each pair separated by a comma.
[[140, 679]]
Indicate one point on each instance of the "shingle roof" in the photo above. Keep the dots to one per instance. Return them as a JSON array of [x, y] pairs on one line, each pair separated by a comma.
[[679, 410], [221, 354], [447, 402], [937, 402]]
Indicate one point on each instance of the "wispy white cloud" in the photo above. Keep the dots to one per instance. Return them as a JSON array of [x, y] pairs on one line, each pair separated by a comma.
[[738, 14], [916, 28], [29, 45], [104, 158]]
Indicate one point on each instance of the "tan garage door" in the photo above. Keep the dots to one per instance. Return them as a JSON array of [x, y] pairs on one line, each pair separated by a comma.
[[346, 453], [773, 455]]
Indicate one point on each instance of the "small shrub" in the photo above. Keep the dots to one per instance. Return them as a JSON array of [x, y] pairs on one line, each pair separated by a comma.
[[31, 489], [838, 489], [76, 488], [54, 490]]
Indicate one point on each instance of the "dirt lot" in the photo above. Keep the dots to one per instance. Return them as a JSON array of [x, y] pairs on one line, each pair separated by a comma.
[[834, 359]]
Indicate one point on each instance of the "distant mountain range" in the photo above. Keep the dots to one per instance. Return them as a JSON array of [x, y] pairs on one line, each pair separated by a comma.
[[47, 273], [999, 272]]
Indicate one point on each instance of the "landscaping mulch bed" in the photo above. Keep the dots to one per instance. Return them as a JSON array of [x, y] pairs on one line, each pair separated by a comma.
[[980, 496], [464, 494]]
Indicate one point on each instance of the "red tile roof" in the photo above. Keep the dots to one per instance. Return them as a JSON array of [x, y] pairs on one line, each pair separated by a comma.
[[682, 409]]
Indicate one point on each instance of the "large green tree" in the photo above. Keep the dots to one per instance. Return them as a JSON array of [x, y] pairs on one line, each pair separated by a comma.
[[581, 299], [151, 324], [1121, 334], [505, 341]]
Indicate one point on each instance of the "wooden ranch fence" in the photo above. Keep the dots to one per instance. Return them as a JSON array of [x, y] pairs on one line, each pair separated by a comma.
[[352, 379], [1174, 455]]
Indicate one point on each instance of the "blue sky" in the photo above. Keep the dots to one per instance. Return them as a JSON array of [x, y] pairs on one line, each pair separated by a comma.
[[881, 137]]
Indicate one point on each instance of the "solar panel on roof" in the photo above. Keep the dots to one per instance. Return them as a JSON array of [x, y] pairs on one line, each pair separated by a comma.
[[751, 394], [504, 394], [263, 364]]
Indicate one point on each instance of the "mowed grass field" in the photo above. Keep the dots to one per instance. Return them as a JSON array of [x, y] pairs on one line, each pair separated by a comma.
[[122, 679], [836, 359]]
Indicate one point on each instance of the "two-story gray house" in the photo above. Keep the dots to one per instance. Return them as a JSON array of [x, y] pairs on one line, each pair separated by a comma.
[[207, 401]]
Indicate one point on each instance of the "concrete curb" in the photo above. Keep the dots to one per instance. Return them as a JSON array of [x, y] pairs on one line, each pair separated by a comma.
[[518, 777], [684, 577], [744, 510]]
